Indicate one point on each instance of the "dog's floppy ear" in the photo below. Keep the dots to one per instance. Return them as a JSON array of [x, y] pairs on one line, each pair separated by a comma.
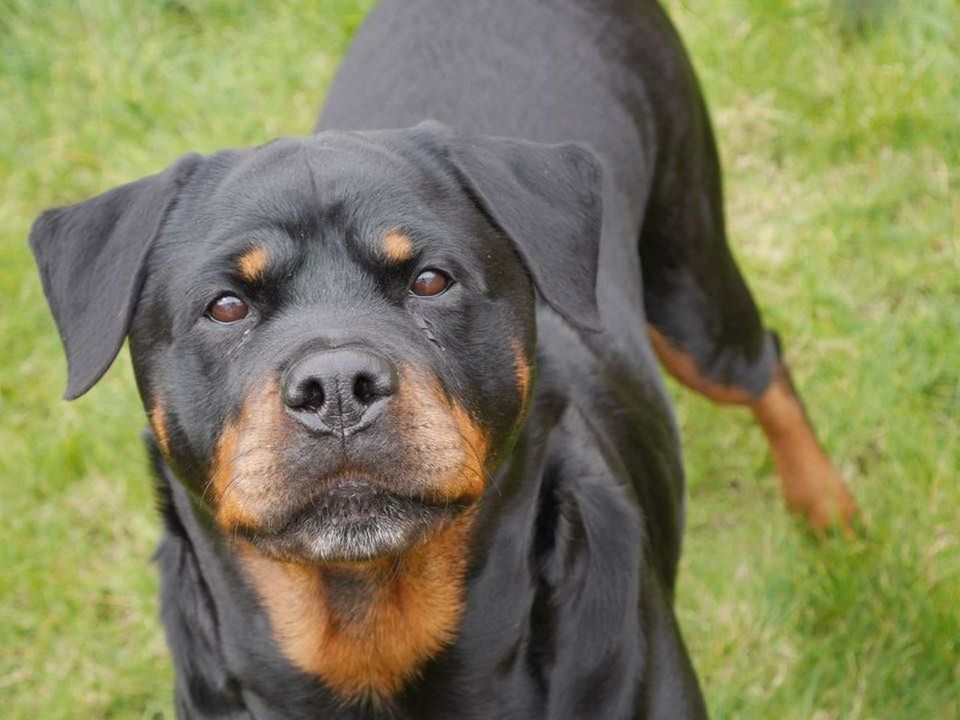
[[547, 200], [91, 258]]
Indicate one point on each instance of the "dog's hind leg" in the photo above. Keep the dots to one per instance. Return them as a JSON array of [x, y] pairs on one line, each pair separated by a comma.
[[706, 329]]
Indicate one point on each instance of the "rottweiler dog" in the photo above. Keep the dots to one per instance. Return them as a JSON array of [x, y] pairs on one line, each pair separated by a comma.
[[414, 454]]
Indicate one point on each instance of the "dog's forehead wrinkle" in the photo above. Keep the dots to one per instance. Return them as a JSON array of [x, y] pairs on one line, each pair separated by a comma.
[[331, 273], [310, 207], [336, 189]]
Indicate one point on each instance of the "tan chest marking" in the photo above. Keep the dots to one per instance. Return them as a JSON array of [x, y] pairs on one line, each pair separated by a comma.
[[366, 630]]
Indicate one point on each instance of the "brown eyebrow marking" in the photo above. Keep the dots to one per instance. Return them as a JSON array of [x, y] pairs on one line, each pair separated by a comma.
[[397, 247], [252, 264]]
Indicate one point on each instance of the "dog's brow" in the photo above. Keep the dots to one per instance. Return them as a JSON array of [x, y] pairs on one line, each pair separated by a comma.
[[397, 247], [253, 263]]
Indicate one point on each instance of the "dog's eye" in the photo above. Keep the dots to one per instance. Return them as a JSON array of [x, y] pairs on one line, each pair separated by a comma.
[[430, 282], [228, 309]]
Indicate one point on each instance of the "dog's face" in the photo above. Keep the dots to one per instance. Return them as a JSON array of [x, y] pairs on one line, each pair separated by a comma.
[[334, 337], [334, 345]]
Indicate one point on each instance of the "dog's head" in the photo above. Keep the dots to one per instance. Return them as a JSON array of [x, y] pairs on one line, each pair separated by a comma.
[[334, 336]]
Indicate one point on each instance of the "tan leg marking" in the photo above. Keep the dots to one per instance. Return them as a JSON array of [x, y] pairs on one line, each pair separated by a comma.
[[811, 487], [683, 368]]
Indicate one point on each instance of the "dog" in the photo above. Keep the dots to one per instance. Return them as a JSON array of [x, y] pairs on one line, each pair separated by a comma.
[[413, 451]]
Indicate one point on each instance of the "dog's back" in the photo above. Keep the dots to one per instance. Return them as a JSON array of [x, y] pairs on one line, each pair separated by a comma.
[[611, 74]]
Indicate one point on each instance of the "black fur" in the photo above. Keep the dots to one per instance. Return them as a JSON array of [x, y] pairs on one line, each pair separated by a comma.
[[574, 556]]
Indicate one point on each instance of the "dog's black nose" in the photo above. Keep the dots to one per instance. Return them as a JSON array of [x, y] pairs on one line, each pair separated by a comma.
[[338, 391]]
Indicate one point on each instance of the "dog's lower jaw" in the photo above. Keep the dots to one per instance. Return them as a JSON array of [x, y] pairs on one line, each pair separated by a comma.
[[356, 521], [366, 629], [356, 541]]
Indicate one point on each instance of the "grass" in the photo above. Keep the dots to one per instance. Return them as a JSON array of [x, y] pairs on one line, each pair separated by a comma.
[[839, 132]]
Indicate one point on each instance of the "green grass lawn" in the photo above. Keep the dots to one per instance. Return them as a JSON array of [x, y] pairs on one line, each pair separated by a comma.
[[839, 125]]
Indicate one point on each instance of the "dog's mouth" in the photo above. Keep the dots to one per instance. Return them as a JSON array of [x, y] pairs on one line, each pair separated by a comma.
[[353, 520]]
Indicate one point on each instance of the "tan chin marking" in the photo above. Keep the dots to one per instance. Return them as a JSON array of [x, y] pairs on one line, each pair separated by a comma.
[[366, 629]]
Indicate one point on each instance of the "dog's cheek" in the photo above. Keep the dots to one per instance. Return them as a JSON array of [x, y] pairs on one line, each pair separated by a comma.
[[185, 409], [442, 447], [243, 486], [501, 367], [159, 423], [507, 345], [186, 453], [146, 347], [147, 353], [523, 368], [186, 386]]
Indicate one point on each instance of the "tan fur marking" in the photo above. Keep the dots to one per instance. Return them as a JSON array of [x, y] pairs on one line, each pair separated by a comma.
[[683, 368], [412, 610], [471, 475], [158, 421], [364, 629], [228, 511], [522, 369], [441, 453], [450, 447], [242, 476], [397, 247], [811, 487], [252, 264]]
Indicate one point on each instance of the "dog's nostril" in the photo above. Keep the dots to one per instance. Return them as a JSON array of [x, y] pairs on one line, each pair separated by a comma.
[[312, 395], [364, 388]]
